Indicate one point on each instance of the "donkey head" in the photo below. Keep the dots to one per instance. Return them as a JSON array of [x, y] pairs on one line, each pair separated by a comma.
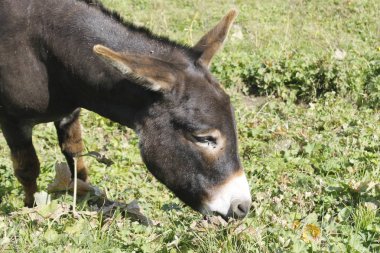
[[188, 139]]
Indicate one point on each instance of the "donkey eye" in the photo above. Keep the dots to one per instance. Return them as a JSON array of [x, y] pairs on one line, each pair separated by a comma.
[[205, 141]]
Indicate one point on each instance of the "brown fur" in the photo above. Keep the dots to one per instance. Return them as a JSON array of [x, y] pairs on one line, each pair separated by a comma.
[[27, 169], [208, 196], [71, 143], [213, 153], [237, 173]]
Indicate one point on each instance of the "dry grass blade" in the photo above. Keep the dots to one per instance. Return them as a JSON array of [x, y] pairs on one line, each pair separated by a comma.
[[64, 182]]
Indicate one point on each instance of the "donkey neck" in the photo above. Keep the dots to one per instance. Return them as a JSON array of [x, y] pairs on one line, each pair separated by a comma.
[[77, 22], [70, 37]]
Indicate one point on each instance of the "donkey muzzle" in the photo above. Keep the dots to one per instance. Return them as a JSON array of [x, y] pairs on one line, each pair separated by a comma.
[[232, 199]]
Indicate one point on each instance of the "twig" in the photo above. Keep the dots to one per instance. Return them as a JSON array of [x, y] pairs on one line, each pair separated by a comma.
[[259, 111], [75, 186]]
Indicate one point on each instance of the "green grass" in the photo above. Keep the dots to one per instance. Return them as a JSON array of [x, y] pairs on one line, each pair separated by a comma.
[[310, 148], [289, 49]]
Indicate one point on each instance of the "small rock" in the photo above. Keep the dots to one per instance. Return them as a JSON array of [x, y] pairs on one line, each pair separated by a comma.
[[340, 55], [237, 33]]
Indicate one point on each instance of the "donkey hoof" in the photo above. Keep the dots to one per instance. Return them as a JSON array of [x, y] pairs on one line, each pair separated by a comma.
[[29, 202]]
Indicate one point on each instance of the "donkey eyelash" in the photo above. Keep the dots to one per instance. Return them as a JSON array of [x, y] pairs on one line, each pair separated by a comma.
[[205, 139]]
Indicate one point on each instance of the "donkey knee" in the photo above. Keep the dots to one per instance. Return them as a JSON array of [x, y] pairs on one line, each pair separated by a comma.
[[26, 164], [72, 143], [70, 134], [27, 169]]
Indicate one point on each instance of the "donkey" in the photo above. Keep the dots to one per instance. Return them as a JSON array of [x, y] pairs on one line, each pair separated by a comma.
[[59, 56]]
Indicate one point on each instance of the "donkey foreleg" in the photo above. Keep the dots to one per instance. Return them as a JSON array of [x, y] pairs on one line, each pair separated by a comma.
[[25, 161], [70, 141]]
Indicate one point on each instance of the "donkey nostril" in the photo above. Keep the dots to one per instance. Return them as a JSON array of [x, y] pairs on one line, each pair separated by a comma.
[[240, 209]]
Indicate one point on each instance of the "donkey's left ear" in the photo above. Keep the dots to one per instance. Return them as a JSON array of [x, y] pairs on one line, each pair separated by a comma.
[[152, 73], [210, 43]]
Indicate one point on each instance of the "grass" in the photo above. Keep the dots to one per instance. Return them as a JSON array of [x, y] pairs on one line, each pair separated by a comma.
[[313, 167], [296, 50]]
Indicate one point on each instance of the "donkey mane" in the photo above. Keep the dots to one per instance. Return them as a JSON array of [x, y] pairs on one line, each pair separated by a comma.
[[133, 27]]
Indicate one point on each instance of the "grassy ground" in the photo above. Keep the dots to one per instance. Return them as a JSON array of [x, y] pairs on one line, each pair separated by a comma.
[[314, 168]]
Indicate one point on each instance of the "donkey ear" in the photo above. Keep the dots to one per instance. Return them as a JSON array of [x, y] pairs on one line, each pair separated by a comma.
[[210, 43], [153, 73]]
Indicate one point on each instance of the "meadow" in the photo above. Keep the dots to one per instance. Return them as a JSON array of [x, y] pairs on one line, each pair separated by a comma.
[[304, 78]]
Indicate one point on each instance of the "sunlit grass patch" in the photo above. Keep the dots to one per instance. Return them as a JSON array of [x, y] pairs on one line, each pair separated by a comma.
[[312, 156]]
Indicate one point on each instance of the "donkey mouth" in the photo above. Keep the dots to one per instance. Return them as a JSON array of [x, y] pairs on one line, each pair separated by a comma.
[[236, 213], [238, 210], [231, 199]]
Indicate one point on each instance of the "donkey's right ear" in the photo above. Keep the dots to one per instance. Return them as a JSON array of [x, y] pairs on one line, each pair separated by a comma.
[[212, 41], [155, 73]]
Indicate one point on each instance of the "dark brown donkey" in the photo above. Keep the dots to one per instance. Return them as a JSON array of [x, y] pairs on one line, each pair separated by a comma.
[[60, 55]]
